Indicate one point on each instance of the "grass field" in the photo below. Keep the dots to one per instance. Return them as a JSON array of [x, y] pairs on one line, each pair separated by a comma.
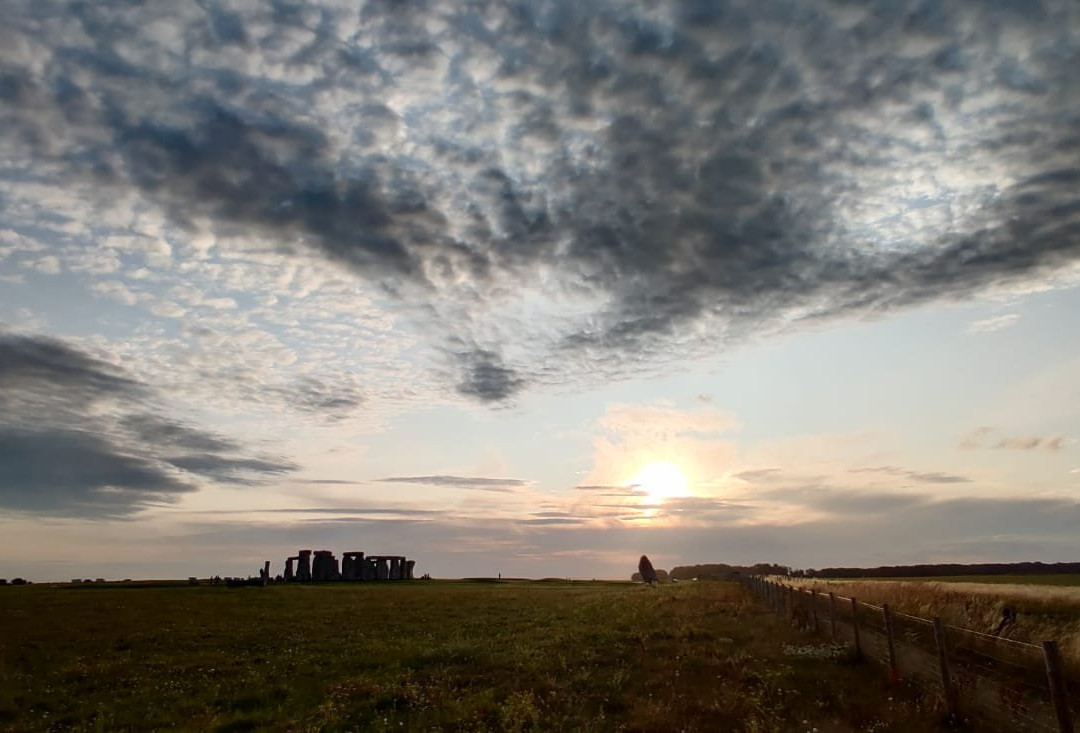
[[427, 656]]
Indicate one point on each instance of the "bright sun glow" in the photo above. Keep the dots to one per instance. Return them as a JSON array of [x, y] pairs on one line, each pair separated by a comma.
[[661, 481]]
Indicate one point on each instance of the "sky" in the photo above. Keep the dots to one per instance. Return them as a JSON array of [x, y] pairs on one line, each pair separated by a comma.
[[535, 287]]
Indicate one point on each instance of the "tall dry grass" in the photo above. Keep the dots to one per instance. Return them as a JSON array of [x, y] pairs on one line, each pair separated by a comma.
[[1042, 612]]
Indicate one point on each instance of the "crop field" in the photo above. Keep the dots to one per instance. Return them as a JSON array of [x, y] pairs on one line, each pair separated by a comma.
[[429, 656], [1055, 579], [1042, 611]]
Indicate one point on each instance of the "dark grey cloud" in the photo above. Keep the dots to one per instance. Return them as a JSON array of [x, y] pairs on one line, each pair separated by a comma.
[[169, 434], [486, 378], [351, 511], [480, 483], [76, 473], [79, 437], [699, 168], [228, 469], [38, 366]]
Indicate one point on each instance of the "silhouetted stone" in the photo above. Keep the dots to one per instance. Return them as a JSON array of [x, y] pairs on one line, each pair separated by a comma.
[[646, 569], [382, 569], [303, 566], [289, 573], [325, 567], [352, 566], [409, 565]]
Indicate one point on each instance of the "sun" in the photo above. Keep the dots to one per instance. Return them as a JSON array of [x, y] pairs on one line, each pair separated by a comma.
[[661, 480]]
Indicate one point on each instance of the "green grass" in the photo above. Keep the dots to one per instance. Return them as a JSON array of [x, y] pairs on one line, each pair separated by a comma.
[[426, 656]]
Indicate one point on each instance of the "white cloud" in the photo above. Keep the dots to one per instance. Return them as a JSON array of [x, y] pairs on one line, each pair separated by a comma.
[[48, 265], [997, 323], [117, 291], [167, 309]]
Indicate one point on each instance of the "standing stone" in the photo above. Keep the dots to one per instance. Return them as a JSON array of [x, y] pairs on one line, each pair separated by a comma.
[[289, 569], [368, 569], [395, 568], [382, 572], [303, 570], [325, 567], [352, 566], [646, 569], [409, 565]]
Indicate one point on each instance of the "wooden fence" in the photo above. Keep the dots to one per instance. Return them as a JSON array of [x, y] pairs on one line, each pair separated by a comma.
[[996, 684]]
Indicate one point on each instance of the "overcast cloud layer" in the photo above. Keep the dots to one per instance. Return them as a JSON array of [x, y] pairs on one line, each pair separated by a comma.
[[369, 267], [667, 174]]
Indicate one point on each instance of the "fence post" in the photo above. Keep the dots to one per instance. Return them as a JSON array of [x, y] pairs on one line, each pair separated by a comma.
[[855, 625], [1057, 685], [832, 614], [894, 668], [813, 609], [943, 663]]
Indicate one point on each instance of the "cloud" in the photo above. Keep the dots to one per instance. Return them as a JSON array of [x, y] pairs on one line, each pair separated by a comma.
[[672, 179], [230, 470], [1030, 443], [75, 473], [332, 399], [846, 502], [479, 483], [31, 364], [989, 325], [974, 439], [1052, 444], [969, 529], [660, 421], [165, 433], [932, 477], [79, 437], [759, 474], [486, 378]]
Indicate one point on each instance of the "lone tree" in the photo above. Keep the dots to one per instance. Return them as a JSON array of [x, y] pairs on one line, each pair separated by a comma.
[[646, 569]]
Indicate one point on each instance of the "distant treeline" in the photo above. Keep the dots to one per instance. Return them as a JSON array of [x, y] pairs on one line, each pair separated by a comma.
[[720, 571], [946, 569]]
